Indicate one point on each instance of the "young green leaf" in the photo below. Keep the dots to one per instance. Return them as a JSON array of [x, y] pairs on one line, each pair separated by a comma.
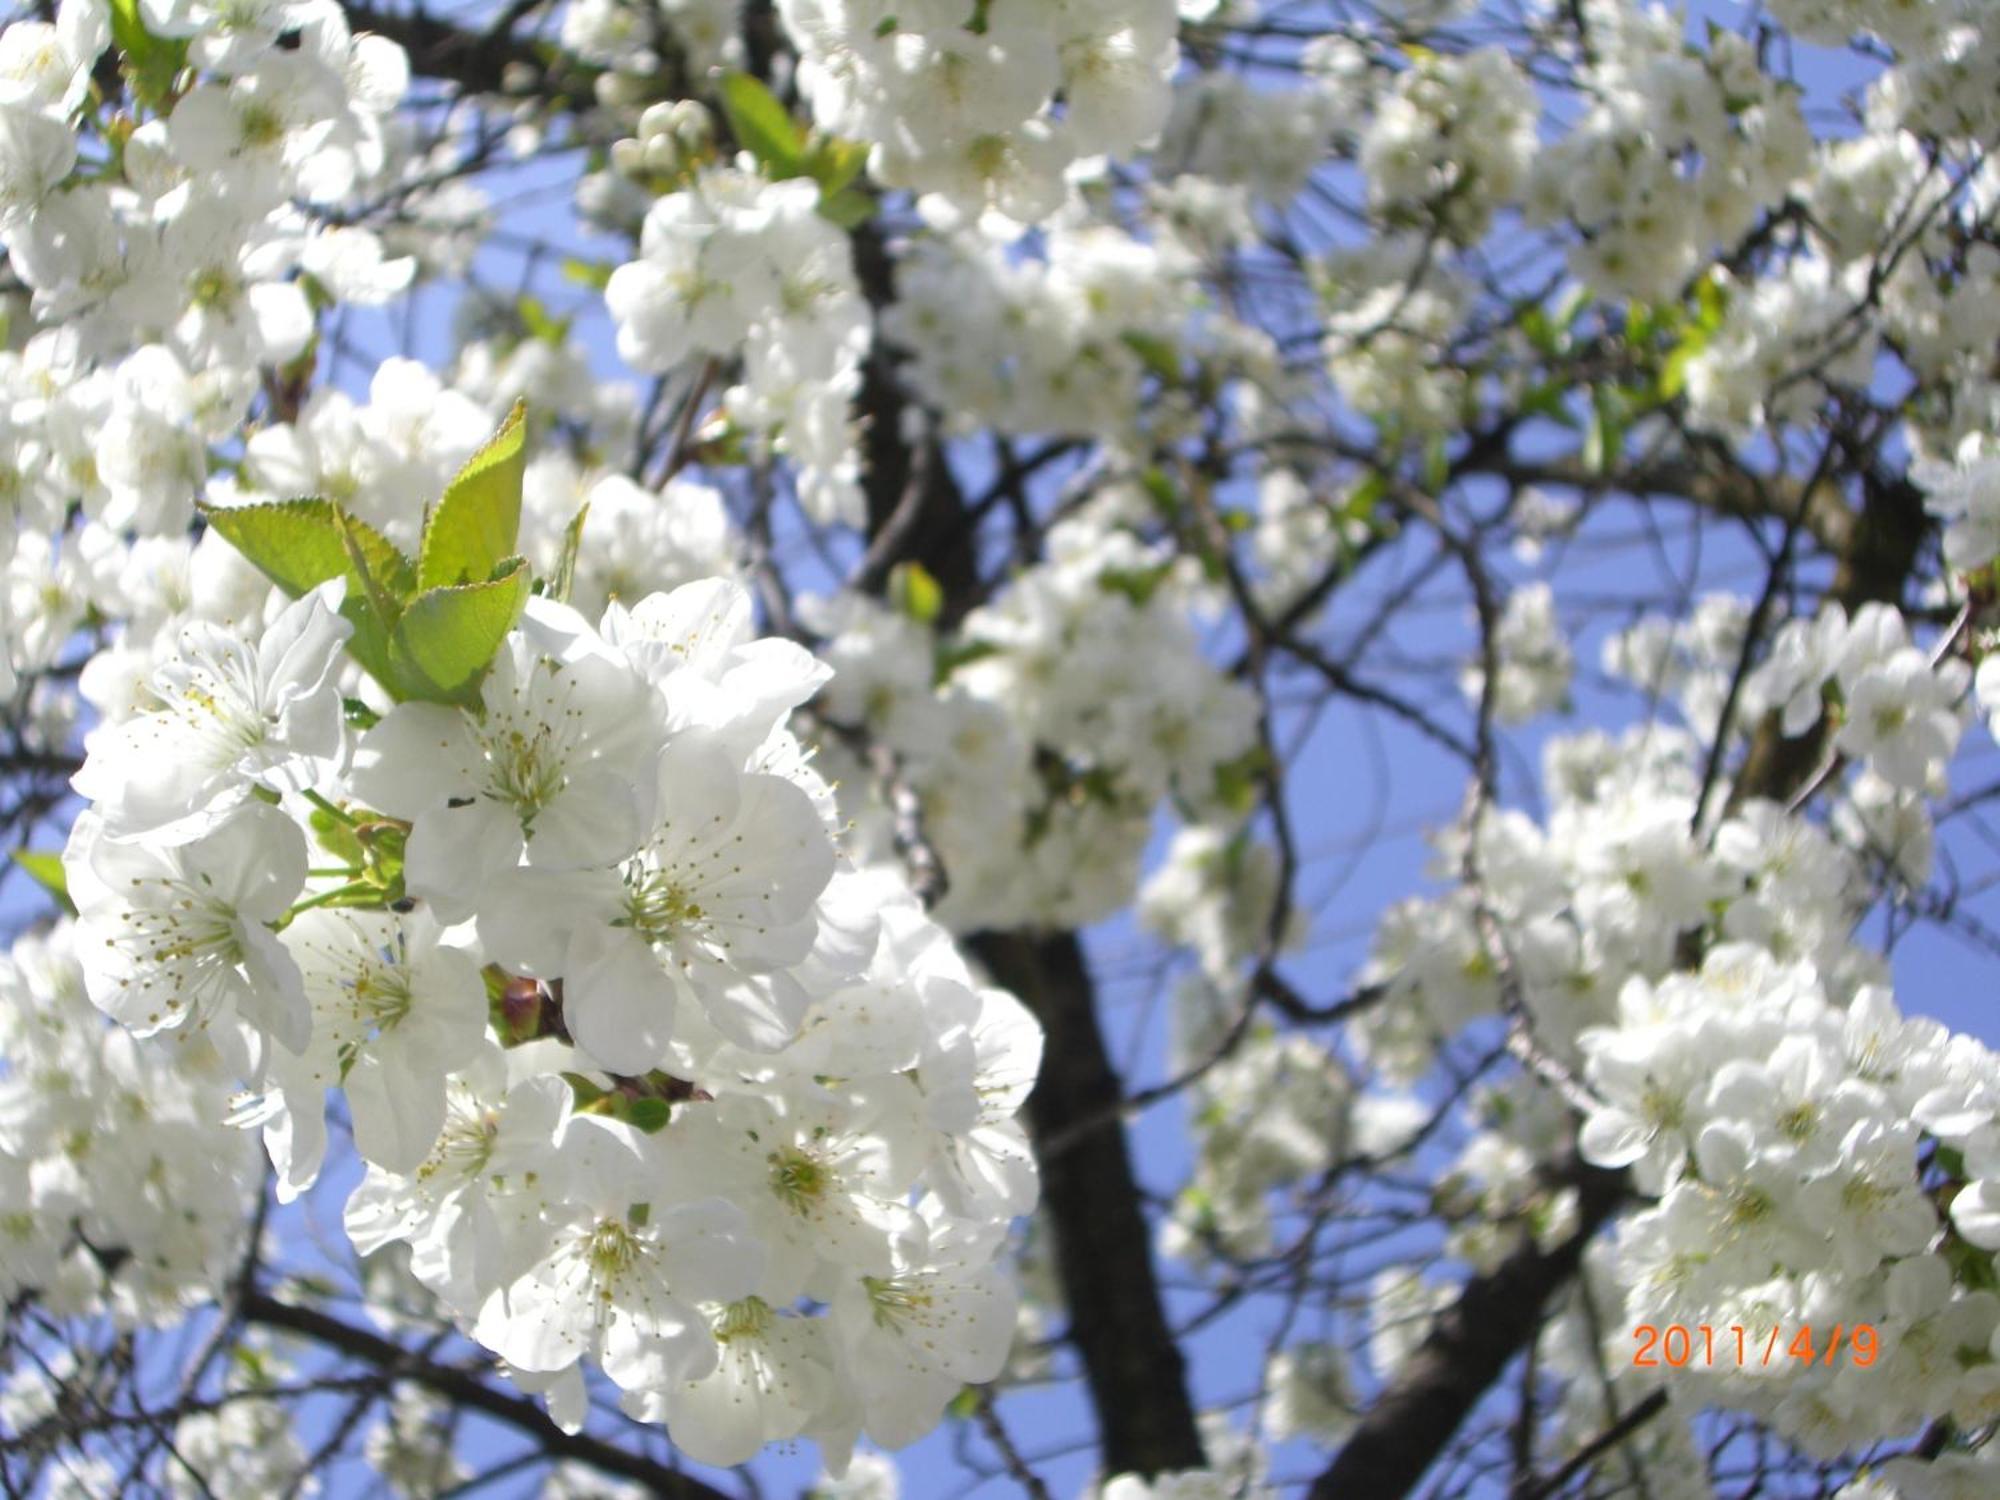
[[1604, 439], [846, 208], [364, 572], [46, 870], [649, 1115], [913, 591], [951, 655], [594, 274], [1160, 356], [572, 543], [128, 31], [762, 127], [539, 322], [447, 637], [474, 526], [335, 836], [299, 544], [374, 601], [151, 62], [834, 163]]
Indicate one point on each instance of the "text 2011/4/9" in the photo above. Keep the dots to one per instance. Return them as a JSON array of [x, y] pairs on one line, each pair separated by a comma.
[[1678, 1346]]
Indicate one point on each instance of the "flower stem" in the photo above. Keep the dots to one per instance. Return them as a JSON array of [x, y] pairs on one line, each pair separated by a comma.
[[328, 808]]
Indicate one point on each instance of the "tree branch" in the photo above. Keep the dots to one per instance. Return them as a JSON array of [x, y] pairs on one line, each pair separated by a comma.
[[915, 508], [1104, 1251], [479, 62], [1472, 1343], [468, 1390], [1466, 1350]]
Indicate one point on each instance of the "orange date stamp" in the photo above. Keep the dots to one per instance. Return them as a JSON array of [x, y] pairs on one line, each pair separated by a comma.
[[1677, 1346]]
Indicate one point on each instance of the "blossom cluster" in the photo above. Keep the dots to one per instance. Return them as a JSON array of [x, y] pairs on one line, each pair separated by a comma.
[[1068, 710], [956, 97], [1681, 152], [1899, 711], [1055, 344], [736, 265], [750, 1075], [1795, 1142], [122, 1186], [169, 246], [1801, 1151]]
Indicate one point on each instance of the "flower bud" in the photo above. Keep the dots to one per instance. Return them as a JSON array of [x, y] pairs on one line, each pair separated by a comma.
[[662, 153], [657, 120], [692, 124], [618, 90], [628, 157]]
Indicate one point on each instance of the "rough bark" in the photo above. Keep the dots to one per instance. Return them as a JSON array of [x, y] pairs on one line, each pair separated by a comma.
[[915, 509], [1103, 1243]]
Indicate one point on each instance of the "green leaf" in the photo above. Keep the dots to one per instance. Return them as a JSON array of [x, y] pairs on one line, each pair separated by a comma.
[[335, 837], [1137, 584], [298, 544], [446, 637], [1160, 489], [583, 1091], [1239, 782], [833, 163], [913, 591], [1536, 329], [1972, 1267], [1712, 299], [1159, 355], [151, 62], [649, 1115], [1673, 374], [381, 592], [539, 322], [761, 126], [595, 274], [374, 600], [955, 654], [964, 1405], [572, 543], [1437, 464], [1571, 307], [846, 208], [1604, 441], [128, 30], [46, 870], [1550, 399], [1366, 497], [294, 543], [475, 525]]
